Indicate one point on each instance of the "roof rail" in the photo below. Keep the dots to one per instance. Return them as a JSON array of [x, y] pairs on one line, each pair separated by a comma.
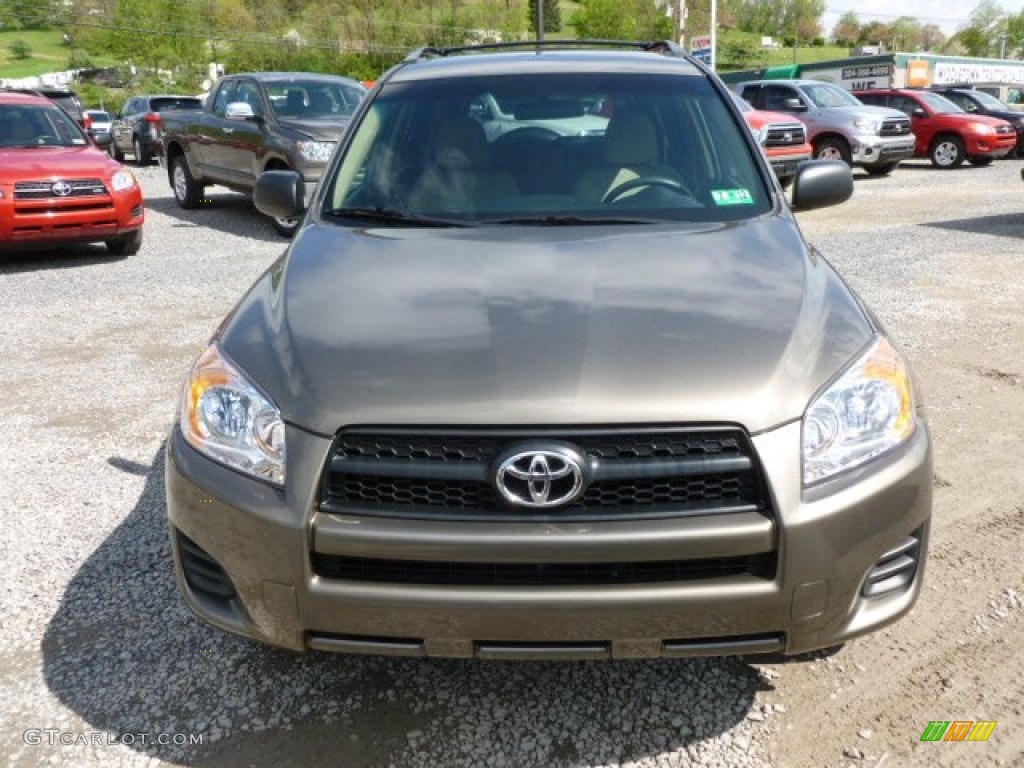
[[666, 47]]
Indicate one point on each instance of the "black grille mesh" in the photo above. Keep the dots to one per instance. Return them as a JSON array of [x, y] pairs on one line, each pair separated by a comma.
[[539, 574], [404, 474]]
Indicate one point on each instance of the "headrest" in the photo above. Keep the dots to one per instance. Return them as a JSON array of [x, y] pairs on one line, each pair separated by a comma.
[[630, 140]]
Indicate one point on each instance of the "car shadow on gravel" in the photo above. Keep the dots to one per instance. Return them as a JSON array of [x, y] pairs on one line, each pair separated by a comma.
[[224, 211], [125, 656], [1002, 225], [68, 257]]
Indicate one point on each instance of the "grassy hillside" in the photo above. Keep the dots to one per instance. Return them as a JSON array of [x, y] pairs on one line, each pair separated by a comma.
[[48, 53]]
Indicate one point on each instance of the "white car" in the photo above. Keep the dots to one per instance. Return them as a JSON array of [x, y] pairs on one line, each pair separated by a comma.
[[98, 123]]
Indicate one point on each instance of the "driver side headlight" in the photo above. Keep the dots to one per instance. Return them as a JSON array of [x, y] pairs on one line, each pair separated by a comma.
[[867, 411], [225, 417]]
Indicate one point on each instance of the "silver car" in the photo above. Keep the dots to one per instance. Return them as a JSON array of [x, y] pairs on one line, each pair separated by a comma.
[[550, 395], [98, 122]]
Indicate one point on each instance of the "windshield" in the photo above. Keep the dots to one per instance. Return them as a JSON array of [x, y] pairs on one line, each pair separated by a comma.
[[314, 98], [988, 101], [551, 149], [98, 117], [162, 104], [827, 96], [24, 126], [939, 103]]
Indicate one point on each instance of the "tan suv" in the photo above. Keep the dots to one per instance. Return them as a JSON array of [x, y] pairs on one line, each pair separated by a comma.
[[550, 395]]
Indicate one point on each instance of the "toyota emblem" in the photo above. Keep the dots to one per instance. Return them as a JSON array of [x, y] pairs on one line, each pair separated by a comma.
[[61, 188], [541, 478]]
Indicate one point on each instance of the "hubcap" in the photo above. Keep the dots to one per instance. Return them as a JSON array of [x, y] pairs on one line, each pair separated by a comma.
[[830, 153], [946, 153], [180, 183]]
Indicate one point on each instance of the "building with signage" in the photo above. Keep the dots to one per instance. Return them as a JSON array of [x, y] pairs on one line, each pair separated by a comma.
[[1001, 77]]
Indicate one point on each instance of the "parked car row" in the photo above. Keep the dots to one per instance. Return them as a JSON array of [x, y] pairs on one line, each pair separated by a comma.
[[876, 129]]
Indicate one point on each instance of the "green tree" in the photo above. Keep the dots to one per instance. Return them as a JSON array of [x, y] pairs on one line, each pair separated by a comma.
[[847, 29], [20, 49], [29, 14], [552, 15], [621, 20]]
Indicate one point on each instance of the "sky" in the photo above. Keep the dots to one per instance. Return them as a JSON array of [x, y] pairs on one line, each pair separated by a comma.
[[949, 15]]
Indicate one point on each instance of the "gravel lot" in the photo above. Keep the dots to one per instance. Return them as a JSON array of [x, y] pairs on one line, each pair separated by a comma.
[[101, 664]]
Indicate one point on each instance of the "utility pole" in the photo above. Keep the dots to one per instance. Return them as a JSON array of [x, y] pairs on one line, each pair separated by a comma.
[[540, 21], [680, 19]]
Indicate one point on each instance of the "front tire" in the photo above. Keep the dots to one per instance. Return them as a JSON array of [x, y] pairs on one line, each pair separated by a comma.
[[285, 227], [833, 149], [187, 191], [884, 169], [947, 152], [126, 245]]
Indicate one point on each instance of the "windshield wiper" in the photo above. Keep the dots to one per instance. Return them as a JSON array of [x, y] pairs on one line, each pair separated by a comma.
[[392, 216], [567, 221]]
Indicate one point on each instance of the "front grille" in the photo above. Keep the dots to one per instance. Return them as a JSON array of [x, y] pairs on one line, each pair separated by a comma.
[[785, 135], [538, 574], [632, 473], [43, 190], [895, 126]]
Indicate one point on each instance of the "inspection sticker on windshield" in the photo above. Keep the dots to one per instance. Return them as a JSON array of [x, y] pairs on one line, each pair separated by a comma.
[[732, 197]]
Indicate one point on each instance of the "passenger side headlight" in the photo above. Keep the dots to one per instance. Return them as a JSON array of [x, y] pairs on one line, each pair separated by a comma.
[[864, 413], [122, 180], [225, 417]]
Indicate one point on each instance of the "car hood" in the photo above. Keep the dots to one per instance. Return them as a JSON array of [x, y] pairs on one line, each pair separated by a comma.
[[870, 109], [318, 128], [966, 118], [55, 162], [596, 325]]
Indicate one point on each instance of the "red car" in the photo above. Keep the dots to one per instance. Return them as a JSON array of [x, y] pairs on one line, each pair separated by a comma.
[[57, 187], [945, 133], [784, 139]]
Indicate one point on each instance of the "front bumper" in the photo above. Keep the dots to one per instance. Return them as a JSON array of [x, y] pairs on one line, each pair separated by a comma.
[[243, 555], [871, 150], [784, 163], [991, 146], [54, 222]]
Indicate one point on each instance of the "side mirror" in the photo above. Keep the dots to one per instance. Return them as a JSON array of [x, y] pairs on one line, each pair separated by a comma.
[[918, 112], [794, 104], [280, 194], [239, 110], [821, 183], [101, 140]]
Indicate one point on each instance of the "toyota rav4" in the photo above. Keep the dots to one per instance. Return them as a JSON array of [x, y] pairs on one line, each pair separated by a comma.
[[559, 396]]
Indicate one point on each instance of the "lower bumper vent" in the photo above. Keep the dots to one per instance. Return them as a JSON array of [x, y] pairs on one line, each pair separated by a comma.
[[895, 569], [203, 574], [539, 574]]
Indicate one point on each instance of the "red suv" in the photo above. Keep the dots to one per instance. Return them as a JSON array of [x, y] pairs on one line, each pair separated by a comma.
[[945, 133], [57, 187]]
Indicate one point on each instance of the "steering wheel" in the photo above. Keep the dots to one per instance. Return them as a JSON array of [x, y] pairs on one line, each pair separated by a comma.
[[664, 182]]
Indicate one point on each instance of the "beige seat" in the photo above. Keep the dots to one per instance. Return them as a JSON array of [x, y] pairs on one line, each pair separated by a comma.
[[631, 151], [459, 176]]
